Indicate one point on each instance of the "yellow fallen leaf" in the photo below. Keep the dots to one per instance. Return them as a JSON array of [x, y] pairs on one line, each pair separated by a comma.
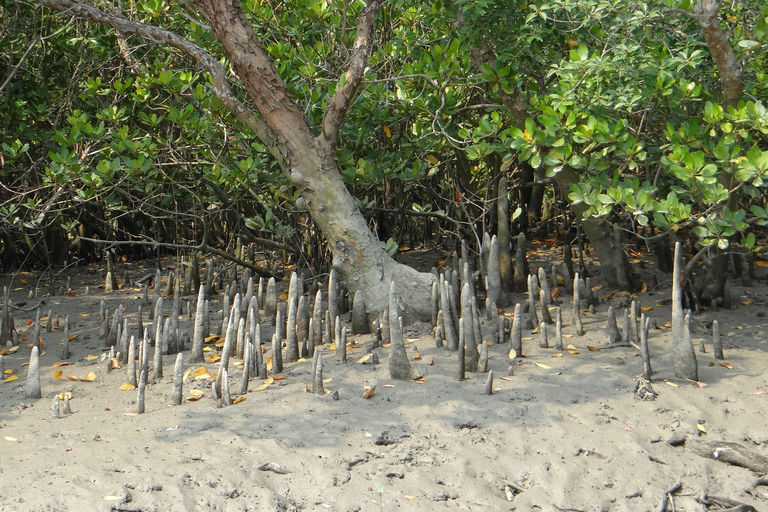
[[739, 327], [85, 314], [89, 378], [58, 374], [387, 132], [746, 302], [591, 348], [369, 391], [727, 365], [559, 354], [12, 439], [219, 343], [265, 385], [278, 377], [545, 366], [211, 339], [11, 350], [238, 399], [417, 356], [213, 358], [420, 379], [646, 308], [64, 396], [365, 358], [61, 363], [74, 337], [91, 357], [411, 496], [643, 288], [207, 349], [701, 428], [573, 351], [668, 383], [9, 371], [127, 386], [512, 354], [115, 363], [186, 374], [11, 378], [202, 373], [196, 392]]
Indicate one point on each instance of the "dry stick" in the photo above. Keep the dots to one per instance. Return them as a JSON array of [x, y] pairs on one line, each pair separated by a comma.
[[132, 362], [462, 330], [333, 299], [544, 300], [614, 337], [543, 338], [226, 398], [198, 336], [317, 318], [435, 302], [32, 390], [341, 347], [292, 341], [158, 359], [55, 408], [65, 348], [516, 336], [248, 356], [482, 363], [277, 355], [317, 372], [645, 324], [142, 386], [683, 354], [178, 377], [399, 366], [668, 496], [451, 339], [226, 352], [717, 345], [489, 384], [470, 355]]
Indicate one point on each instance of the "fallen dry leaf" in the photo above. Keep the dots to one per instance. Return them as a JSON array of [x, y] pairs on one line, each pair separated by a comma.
[[591, 348], [701, 428], [127, 386], [202, 373], [512, 354], [238, 399], [545, 366], [265, 385], [11, 378], [368, 391], [759, 392], [727, 365], [61, 363], [668, 383], [58, 374]]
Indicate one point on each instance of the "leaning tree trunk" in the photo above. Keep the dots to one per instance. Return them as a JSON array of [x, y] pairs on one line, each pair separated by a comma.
[[308, 161]]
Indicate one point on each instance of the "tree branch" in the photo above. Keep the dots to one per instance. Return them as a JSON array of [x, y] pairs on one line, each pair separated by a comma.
[[339, 104], [159, 35], [203, 247]]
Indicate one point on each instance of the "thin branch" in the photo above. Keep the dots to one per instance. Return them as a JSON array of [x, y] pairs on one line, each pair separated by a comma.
[[203, 247], [339, 104], [17, 66]]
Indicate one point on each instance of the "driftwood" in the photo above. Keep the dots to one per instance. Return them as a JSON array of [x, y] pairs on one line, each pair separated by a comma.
[[730, 453]]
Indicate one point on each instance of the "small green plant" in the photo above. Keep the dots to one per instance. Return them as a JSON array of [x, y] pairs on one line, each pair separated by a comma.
[[381, 503]]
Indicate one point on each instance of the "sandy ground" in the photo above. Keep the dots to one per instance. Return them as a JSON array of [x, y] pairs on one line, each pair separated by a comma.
[[564, 432]]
